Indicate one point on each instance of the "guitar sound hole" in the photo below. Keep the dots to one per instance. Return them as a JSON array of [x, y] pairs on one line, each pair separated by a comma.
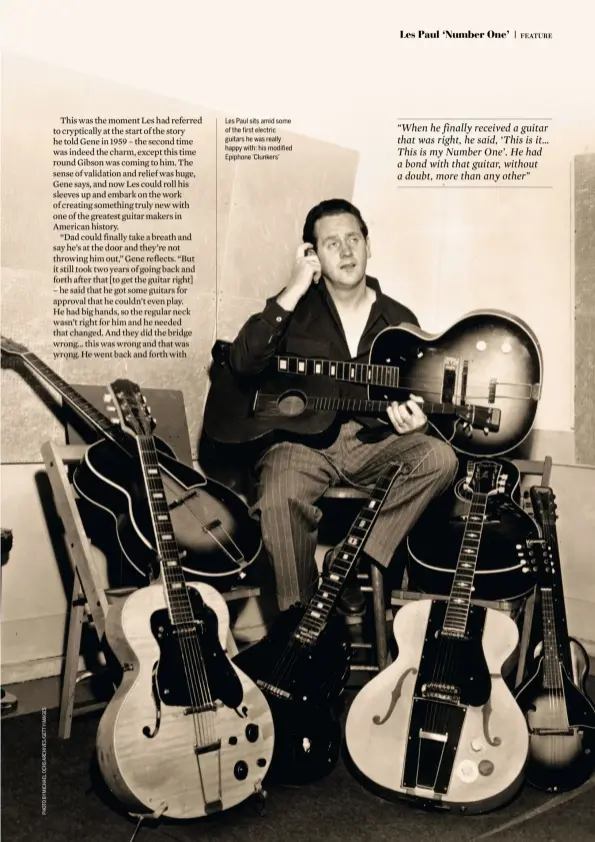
[[291, 404]]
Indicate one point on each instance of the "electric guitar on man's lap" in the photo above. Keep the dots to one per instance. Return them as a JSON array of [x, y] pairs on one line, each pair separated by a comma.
[[480, 382]]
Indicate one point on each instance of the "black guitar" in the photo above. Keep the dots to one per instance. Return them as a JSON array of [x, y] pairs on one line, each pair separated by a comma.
[[560, 715], [212, 524], [480, 381], [302, 665], [503, 566]]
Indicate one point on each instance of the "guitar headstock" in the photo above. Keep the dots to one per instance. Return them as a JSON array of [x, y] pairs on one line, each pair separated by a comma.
[[14, 349], [484, 477], [543, 501], [131, 406]]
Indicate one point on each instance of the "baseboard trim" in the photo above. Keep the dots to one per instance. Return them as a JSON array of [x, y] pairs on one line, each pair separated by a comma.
[[32, 670], [589, 646], [49, 667]]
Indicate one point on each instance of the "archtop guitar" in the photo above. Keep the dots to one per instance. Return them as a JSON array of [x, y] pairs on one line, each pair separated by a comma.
[[504, 569], [212, 523], [439, 726], [187, 733]]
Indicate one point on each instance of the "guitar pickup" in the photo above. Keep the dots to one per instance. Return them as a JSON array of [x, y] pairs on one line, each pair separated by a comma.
[[442, 693], [275, 691], [449, 379]]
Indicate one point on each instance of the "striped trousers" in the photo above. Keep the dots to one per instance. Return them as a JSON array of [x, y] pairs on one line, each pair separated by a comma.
[[293, 476]]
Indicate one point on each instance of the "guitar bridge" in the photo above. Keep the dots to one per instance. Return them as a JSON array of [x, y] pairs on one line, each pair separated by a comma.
[[553, 732], [216, 746]]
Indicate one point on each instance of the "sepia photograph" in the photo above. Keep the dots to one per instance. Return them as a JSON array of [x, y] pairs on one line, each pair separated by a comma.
[[297, 441]]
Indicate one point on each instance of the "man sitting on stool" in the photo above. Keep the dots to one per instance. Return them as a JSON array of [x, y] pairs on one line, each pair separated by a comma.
[[330, 309]]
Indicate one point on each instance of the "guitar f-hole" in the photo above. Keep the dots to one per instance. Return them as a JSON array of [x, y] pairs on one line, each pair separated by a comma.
[[147, 732]]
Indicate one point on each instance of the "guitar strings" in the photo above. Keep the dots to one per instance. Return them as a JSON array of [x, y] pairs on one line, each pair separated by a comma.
[[556, 694], [192, 668], [186, 504], [436, 713]]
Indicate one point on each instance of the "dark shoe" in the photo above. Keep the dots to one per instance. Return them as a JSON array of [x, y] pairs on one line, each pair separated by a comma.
[[351, 601]]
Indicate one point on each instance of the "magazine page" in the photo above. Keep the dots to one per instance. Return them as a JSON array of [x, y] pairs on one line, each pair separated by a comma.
[[297, 307]]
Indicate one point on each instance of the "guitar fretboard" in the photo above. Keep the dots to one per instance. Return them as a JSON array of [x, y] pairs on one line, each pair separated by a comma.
[[552, 656], [268, 404], [457, 611], [324, 600], [376, 375], [556, 649], [180, 607], [92, 415]]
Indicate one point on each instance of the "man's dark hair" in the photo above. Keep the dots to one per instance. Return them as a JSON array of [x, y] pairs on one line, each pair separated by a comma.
[[330, 207]]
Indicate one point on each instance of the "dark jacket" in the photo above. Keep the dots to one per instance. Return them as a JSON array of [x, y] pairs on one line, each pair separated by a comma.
[[314, 329]]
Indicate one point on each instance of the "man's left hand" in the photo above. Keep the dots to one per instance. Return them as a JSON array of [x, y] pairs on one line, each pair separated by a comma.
[[407, 417]]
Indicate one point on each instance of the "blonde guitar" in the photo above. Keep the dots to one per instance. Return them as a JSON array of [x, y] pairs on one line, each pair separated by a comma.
[[440, 726], [187, 733]]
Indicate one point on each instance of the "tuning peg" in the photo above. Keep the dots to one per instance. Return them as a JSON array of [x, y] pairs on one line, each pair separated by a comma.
[[111, 408], [107, 398]]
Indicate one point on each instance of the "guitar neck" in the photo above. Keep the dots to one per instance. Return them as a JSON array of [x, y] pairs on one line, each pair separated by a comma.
[[457, 611], [96, 419], [365, 373], [554, 655], [180, 607], [324, 600], [556, 646], [358, 405]]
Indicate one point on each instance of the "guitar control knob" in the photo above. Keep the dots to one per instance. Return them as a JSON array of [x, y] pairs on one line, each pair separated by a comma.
[[240, 770], [476, 744], [252, 733]]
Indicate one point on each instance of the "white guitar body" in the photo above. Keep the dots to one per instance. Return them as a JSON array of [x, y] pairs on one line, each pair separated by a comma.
[[490, 751], [149, 752]]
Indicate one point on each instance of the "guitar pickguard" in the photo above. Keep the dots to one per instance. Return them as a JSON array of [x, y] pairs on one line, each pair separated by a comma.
[[454, 669], [190, 660]]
